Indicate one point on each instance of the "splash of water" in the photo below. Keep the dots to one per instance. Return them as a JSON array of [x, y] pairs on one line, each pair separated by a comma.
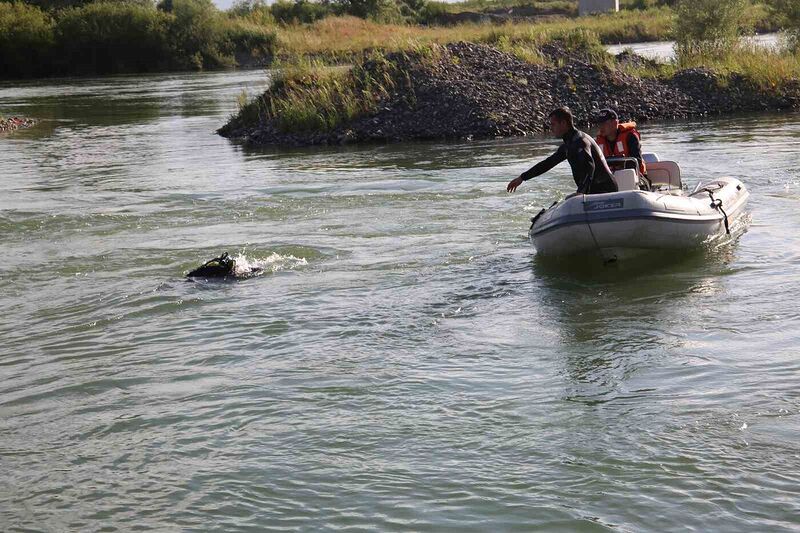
[[275, 262]]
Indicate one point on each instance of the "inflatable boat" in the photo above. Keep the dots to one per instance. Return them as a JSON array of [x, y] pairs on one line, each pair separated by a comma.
[[652, 213]]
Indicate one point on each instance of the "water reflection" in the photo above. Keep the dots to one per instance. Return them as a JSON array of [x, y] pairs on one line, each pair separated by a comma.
[[508, 393], [435, 156], [615, 319], [122, 100]]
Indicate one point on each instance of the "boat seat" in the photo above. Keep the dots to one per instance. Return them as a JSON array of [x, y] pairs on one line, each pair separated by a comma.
[[664, 173], [626, 180], [650, 157]]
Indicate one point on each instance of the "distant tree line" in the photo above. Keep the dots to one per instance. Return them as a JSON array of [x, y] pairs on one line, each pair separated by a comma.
[[59, 37], [64, 37], [306, 11]]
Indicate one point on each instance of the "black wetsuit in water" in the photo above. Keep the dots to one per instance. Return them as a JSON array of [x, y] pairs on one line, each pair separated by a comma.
[[589, 168]]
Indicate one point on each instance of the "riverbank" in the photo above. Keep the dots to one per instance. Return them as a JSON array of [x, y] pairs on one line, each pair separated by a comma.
[[10, 124], [469, 91]]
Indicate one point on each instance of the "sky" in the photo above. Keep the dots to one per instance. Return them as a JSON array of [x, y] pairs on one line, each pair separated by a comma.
[[224, 4]]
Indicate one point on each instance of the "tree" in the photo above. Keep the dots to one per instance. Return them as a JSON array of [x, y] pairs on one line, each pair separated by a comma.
[[196, 32], [788, 12], [380, 10], [26, 40], [709, 27]]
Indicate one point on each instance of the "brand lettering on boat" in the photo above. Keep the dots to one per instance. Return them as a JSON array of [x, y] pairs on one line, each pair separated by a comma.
[[599, 205]]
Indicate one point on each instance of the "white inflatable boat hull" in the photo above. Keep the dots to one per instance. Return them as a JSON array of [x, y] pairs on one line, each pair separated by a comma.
[[626, 222]]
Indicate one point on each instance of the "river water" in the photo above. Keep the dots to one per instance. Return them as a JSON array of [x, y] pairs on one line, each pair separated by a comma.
[[405, 363], [665, 50]]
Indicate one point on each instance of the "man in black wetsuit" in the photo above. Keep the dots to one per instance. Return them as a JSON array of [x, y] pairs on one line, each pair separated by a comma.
[[589, 168]]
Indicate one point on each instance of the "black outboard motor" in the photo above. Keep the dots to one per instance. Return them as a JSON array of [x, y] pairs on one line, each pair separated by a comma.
[[220, 267]]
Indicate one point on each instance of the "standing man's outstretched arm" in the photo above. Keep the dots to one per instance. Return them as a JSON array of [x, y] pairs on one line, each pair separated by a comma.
[[539, 168]]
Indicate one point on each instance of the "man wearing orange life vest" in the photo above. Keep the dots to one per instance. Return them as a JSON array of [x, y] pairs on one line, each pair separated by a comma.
[[619, 140]]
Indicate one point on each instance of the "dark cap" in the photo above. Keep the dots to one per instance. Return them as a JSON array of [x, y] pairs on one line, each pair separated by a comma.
[[606, 114]]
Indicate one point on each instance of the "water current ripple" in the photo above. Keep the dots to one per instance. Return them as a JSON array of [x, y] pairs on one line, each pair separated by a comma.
[[404, 363]]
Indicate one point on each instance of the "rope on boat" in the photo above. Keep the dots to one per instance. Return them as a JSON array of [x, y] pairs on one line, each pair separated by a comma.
[[597, 244], [716, 203], [540, 213], [534, 219]]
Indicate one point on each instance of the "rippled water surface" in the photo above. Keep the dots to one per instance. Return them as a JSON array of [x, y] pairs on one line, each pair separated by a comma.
[[404, 363]]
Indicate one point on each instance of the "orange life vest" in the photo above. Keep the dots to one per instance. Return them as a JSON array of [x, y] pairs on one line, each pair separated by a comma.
[[620, 146]]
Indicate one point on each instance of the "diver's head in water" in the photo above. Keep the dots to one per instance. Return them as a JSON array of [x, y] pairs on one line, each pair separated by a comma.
[[219, 267]]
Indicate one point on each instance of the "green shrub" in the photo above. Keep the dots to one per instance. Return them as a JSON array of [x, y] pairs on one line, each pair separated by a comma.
[[639, 5], [788, 10], [544, 7], [300, 11], [377, 10], [413, 10], [709, 28], [246, 40], [431, 12], [55, 5], [116, 36], [579, 40], [788, 14], [26, 40], [105, 37], [255, 11], [196, 32], [307, 96]]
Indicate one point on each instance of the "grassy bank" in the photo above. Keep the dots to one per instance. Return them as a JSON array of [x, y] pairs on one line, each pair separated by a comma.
[[764, 68], [311, 100], [767, 69], [307, 96], [341, 37]]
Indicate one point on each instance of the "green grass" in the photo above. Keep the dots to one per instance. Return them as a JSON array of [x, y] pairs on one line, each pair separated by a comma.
[[564, 7], [767, 69], [576, 42], [307, 95], [335, 38]]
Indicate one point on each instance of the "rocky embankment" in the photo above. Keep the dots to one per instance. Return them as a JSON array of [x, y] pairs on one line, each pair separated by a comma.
[[470, 91], [15, 123]]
